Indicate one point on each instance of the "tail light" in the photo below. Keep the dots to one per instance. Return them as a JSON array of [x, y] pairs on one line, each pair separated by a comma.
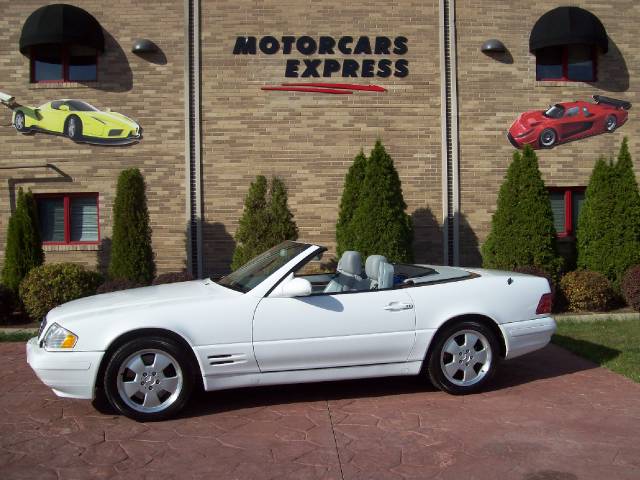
[[545, 304]]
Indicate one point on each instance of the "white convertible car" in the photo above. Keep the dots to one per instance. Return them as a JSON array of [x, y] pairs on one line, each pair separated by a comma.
[[270, 322]]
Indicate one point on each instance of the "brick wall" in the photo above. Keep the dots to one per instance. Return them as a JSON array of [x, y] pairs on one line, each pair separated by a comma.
[[148, 90], [492, 94], [310, 139]]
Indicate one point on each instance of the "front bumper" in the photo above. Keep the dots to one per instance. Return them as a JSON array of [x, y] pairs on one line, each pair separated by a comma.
[[527, 336], [69, 374]]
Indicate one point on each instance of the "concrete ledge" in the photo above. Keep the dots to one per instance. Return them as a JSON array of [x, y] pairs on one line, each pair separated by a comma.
[[19, 330], [590, 317]]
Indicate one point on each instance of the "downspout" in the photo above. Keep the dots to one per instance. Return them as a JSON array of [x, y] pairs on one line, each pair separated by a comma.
[[193, 149], [450, 134]]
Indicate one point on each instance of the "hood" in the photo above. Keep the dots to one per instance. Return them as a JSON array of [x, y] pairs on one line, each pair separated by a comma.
[[526, 121], [136, 297], [113, 119]]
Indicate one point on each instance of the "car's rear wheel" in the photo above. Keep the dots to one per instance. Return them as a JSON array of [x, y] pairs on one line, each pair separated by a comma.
[[73, 128], [611, 123], [464, 357], [149, 379], [19, 122], [548, 138]]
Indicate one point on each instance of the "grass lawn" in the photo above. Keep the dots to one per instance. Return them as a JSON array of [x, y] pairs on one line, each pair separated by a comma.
[[16, 336], [614, 344]]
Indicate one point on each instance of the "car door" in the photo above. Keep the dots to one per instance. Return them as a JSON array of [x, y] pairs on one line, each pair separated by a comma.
[[573, 123], [333, 330], [52, 117]]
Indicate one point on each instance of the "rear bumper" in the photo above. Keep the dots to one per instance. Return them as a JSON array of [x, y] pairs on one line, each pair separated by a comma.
[[527, 336], [69, 374]]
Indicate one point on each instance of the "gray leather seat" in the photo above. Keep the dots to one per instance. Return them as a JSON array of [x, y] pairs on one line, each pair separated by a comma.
[[385, 276], [349, 274], [372, 269]]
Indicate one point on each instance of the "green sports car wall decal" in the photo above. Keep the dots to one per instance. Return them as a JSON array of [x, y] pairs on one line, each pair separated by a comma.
[[78, 120]]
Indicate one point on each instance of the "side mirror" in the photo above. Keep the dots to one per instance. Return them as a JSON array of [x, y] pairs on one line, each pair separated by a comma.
[[292, 287], [64, 108], [108, 109]]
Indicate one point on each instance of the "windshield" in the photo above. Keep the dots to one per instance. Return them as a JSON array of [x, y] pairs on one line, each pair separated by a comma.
[[555, 111], [78, 106], [257, 270]]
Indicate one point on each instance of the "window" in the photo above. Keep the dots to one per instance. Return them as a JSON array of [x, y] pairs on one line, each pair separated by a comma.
[[574, 63], [63, 63], [573, 111], [566, 204], [69, 218]]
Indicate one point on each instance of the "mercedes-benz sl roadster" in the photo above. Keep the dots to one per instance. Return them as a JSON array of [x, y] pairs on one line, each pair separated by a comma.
[[275, 321]]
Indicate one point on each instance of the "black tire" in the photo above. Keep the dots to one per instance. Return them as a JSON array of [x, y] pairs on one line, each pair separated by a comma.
[[548, 138], [19, 123], [611, 123], [438, 358], [116, 373], [73, 128]]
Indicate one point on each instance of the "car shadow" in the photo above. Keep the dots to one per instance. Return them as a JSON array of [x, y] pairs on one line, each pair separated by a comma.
[[550, 362]]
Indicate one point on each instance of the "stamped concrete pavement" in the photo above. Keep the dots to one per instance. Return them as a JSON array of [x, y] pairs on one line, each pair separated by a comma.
[[548, 416]]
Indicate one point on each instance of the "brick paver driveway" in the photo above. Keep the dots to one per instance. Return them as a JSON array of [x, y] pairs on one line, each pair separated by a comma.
[[550, 415]]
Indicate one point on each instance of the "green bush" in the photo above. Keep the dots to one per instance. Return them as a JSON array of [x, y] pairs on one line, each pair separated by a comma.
[[609, 225], [522, 231], [380, 224], [281, 224], [131, 252], [117, 285], [172, 277], [345, 239], [263, 224], [631, 287], [47, 286], [585, 290], [24, 247]]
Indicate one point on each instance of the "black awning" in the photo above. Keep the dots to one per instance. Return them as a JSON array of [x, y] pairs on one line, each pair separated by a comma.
[[61, 24], [568, 26]]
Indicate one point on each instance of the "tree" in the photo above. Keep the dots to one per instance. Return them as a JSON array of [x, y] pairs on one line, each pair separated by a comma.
[[281, 224], [251, 236], [24, 247], [131, 252], [609, 224], [522, 231], [264, 222], [352, 186], [380, 224]]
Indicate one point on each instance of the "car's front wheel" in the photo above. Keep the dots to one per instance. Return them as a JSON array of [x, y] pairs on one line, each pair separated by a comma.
[[463, 358], [73, 128], [149, 379]]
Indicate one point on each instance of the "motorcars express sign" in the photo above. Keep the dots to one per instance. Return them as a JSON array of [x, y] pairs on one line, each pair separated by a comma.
[[327, 47]]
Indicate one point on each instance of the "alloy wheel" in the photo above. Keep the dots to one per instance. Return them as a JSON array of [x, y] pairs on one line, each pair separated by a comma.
[[150, 380], [466, 358]]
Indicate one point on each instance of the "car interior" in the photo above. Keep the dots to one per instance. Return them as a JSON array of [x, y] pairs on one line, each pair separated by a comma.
[[378, 274]]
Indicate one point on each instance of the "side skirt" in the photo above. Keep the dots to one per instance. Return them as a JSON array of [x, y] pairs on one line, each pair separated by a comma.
[[223, 382]]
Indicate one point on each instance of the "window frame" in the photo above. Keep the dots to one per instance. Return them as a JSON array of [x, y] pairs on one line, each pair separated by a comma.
[[66, 55], [570, 223], [67, 215], [565, 66]]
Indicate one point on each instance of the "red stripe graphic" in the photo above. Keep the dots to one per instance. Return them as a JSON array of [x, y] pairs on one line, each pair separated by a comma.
[[333, 88]]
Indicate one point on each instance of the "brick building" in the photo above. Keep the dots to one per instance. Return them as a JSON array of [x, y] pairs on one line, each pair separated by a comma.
[[212, 92]]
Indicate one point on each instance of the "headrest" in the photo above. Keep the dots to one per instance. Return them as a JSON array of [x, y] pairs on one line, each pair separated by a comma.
[[385, 276], [372, 265], [350, 264]]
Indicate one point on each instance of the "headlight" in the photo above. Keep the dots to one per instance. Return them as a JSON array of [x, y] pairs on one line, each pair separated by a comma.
[[59, 338]]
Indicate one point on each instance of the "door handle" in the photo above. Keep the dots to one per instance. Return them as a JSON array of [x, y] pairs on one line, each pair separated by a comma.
[[397, 306]]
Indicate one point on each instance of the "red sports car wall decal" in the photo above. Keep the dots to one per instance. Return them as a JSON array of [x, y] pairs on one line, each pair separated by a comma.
[[568, 121]]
